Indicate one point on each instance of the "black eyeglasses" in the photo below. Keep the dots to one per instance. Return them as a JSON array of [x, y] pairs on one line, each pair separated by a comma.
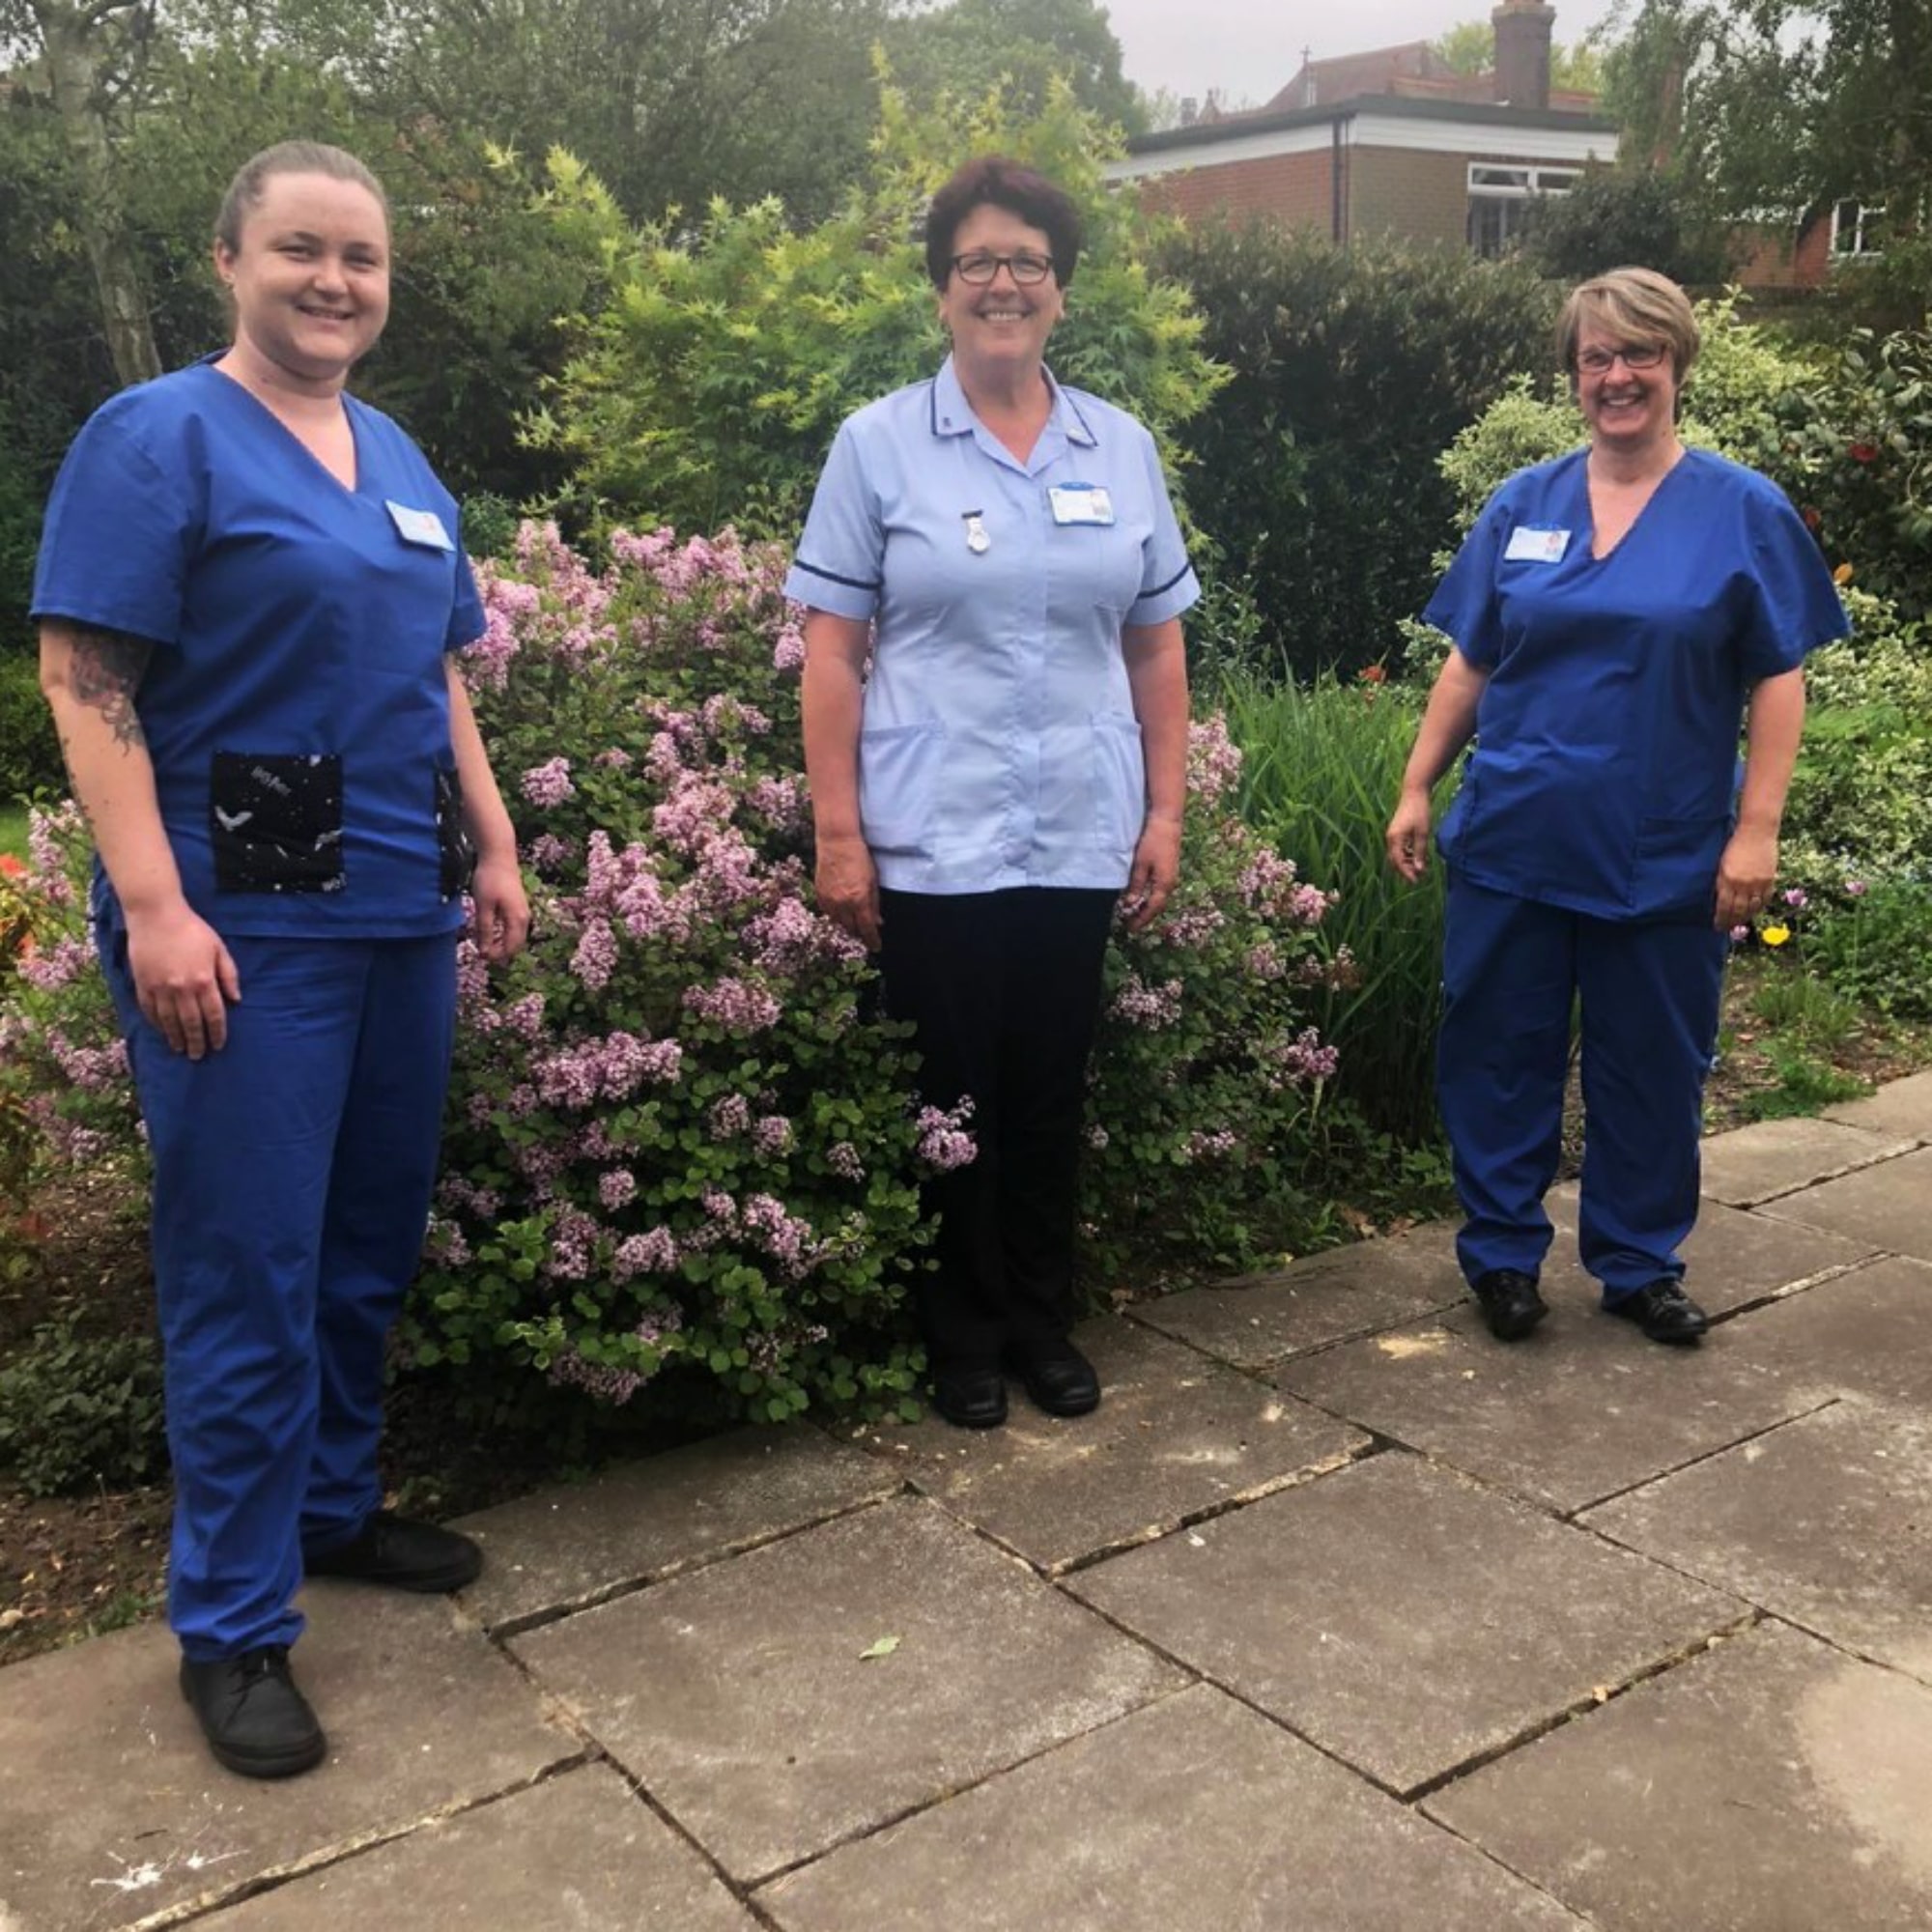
[[980, 268], [1597, 361]]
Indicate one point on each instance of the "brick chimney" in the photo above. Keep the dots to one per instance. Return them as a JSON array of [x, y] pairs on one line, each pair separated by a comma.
[[1523, 52]]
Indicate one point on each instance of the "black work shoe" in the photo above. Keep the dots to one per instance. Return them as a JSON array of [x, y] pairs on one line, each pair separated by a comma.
[[970, 1398], [254, 1719], [1057, 1376], [1510, 1303], [401, 1554], [1663, 1311]]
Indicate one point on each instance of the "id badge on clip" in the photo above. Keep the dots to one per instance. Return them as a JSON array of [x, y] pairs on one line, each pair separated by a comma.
[[1533, 546], [422, 528], [1087, 503]]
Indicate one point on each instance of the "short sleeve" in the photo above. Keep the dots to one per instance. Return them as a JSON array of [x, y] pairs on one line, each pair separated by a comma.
[[1465, 604], [467, 622], [1794, 604], [118, 538], [1168, 584], [840, 559]]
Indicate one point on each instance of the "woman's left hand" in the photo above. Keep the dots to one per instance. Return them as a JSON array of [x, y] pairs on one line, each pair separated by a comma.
[[1156, 867], [1745, 876], [502, 909]]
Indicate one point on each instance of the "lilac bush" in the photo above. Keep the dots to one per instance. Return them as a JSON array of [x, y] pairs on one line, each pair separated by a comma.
[[684, 1144]]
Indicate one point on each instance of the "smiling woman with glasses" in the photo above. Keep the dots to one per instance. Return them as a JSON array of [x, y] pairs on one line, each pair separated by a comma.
[[996, 737], [1616, 616]]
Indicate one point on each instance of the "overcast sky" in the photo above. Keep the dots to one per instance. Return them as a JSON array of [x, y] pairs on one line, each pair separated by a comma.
[[1250, 48]]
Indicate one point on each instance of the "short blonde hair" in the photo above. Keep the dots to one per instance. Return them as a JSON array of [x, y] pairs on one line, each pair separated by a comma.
[[1633, 305], [287, 158]]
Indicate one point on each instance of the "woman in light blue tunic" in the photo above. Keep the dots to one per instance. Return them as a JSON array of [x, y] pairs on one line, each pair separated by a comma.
[[249, 589], [1000, 551], [1616, 616]]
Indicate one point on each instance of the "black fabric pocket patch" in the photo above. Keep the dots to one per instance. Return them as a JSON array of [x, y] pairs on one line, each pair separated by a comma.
[[275, 822], [456, 851]]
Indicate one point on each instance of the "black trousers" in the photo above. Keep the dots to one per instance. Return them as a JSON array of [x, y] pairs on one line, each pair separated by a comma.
[[1003, 989]]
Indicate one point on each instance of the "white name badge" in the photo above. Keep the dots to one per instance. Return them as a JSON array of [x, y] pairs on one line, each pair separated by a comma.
[[1081, 504], [419, 527], [1528, 546]]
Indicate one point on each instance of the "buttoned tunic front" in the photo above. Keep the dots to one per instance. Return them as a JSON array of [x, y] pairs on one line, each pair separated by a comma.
[[999, 745]]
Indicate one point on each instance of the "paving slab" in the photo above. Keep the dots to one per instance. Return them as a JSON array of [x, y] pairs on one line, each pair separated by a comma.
[[1585, 1409], [114, 1810], [1869, 1332], [1884, 1204], [1177, 1436], [1773, 1784], [578, 1851], [1195, 1812], [1747, 1165], [1901, 1107], [1256, 1320], [565, 1548], [1404, 1619], [743, 1698], [1827, 1522], [1732, 1259]]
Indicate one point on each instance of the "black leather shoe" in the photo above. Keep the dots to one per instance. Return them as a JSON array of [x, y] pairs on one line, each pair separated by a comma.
[[970, 1398], [1510, 1303], [254, 1719], [401, 1554], [1663, 1311], [1057, 1376]]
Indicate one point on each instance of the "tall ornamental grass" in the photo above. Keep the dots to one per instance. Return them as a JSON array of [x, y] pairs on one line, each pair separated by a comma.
[[1323, 768]]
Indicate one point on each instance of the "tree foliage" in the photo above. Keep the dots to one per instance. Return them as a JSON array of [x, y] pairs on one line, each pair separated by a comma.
[[711, 382], [1618, 217], [1783, 105]]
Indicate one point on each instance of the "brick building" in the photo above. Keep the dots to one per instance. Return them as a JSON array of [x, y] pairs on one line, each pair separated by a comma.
[[1389, 142]]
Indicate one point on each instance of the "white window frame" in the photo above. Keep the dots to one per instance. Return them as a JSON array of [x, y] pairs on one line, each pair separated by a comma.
[[1516, 183], [1851, 241]]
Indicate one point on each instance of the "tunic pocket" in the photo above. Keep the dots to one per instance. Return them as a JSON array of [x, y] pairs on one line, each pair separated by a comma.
[[1677, 861], [1120, 777], [275, 822], [898, 780], [455, 849]]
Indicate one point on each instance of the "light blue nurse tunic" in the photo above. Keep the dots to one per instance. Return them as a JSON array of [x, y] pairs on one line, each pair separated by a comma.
[[999, 745]]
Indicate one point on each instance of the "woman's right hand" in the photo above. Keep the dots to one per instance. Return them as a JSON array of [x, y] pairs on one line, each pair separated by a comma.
[[1407, 836], [184, 978], [847, 884]]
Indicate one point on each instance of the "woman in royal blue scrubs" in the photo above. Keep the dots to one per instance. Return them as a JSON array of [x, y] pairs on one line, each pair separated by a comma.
[[1616, 616], [1003, 551], [249, 589]]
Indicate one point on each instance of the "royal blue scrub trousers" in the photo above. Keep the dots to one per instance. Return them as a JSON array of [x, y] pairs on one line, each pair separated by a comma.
[[292, 1180], [1003, 989], [1512, 970]]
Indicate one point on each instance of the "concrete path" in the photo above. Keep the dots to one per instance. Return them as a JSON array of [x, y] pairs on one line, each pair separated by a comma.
[[1337, 1616]]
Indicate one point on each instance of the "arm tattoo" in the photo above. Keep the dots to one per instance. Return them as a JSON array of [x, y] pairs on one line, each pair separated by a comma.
[[105, 671]]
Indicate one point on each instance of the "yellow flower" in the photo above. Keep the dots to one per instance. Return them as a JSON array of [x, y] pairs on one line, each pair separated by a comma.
[[1842, 575], [1774, 936]]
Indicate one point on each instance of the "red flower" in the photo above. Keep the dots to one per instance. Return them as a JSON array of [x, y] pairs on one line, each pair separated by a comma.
[[1812, 519], [1863, 453], [1373, 674], [11, 867]]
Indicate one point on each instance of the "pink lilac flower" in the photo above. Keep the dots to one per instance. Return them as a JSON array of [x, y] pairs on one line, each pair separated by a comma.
[[549, 784], [1151, 1006], [730, 1116], [1856, 889], [595, 958], [944, 1142], [1796, 898], [788, 653], [573, 1245], [1207, 1146], [734, 1005], [1213, 759], [1193, 926], [843, 1159], [1739, 934], [617, 1189], [655, 1252], [772, 1136], [1306, 1058], [597, 1380], [548, 851], [615, 760], [67, 959]]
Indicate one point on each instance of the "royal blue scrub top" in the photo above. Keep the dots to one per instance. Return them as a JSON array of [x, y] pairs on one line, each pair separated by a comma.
[[999, 745], [1604, 776], [296, 706]]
